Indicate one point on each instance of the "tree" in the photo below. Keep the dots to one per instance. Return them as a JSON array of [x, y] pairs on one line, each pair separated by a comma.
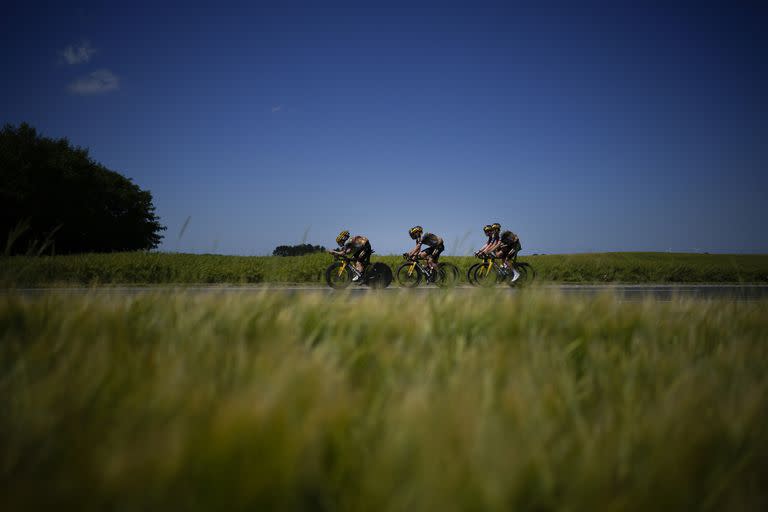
[[49, 185], [297, 250]]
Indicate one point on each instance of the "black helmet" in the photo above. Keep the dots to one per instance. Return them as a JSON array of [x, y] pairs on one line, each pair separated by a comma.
[[415, 231], [487, 229]]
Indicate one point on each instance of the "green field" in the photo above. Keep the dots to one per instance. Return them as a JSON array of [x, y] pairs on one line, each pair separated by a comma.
[[444, 401], [165, 268]]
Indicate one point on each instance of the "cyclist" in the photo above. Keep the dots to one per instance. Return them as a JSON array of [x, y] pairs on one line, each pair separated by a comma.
[[493, 237], [359, 247], [434, 244]]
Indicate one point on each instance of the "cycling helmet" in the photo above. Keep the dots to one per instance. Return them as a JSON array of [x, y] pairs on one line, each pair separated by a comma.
[[496, 226], [415, 231], [342, 237], [487, 229]]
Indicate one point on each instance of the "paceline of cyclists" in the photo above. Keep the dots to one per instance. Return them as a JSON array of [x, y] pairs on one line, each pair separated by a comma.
[[502, 245]]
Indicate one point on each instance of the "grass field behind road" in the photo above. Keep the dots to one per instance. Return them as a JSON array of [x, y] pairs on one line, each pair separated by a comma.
[[480, 401], [166, 268]]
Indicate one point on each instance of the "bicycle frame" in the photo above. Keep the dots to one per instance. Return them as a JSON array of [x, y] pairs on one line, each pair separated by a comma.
[[345, 262], [491, 262], [415, 263]]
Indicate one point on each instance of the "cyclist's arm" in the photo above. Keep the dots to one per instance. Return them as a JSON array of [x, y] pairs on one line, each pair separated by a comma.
[[494, 245], [416, 250], [485, 247]]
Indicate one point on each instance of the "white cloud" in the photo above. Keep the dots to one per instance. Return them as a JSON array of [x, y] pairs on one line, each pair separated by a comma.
[[77, 54], [98, 82], [277, 108]]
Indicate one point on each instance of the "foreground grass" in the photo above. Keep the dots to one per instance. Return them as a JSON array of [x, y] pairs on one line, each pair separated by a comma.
[[386, 402], [163, 268]]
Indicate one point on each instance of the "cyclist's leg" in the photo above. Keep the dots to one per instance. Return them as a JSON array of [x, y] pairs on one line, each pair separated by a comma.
[[430, 255], [436, 254], [364, 257]]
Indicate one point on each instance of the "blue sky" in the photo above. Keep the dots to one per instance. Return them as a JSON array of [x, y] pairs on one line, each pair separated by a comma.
[[607, 126]]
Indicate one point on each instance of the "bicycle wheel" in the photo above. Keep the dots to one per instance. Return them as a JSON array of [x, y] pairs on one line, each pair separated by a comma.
[[378, 275], [530, 271], [338, 275], [452, 273], [486, 277], [521, 280], [527, 275], [442, 279], [408, 276], [471, 273]]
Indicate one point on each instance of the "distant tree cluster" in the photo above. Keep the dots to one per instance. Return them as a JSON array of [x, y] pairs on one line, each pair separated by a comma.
[[297, 250], [55, 190]]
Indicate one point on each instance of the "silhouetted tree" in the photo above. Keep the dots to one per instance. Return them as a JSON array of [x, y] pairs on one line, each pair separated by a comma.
[[48, 184], [297, 250]]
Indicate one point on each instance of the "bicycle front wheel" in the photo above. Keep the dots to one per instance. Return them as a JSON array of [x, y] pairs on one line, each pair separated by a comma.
[[338, 276], [408, 275], [486, 276], [471, 273]]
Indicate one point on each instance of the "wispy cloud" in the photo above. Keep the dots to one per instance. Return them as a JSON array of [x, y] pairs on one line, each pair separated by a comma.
[[277, 108], [78, 53], [98, 82]]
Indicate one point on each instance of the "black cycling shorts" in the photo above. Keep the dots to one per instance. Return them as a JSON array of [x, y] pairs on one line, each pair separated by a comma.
[[505, 250], [434, 251]]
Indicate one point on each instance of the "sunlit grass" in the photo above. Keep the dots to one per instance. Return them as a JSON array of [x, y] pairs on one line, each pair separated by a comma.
[[163, 268], [486, 401]]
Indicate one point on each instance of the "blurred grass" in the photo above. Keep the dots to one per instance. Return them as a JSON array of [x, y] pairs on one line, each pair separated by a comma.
[[445, 401], [164, 268]]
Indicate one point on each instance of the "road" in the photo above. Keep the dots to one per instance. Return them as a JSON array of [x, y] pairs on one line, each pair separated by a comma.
[[623, 292]]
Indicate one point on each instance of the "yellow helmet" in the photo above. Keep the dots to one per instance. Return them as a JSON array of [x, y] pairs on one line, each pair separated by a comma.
[[415, 231], [342, 237], [487, 229], [496, 226]]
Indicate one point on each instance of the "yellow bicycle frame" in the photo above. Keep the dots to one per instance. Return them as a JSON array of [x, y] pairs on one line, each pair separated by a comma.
[[488, 268], [342, 268], [410, 270]]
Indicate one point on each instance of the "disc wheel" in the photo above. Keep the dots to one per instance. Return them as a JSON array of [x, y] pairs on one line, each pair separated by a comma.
[[486, 277], [378, 275], [338, 276], [408, 277]]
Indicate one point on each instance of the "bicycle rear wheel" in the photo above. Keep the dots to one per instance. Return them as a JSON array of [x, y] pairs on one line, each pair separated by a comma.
[[408, 275], [451, 272], [338, 276], [527, 275], [378, 275]]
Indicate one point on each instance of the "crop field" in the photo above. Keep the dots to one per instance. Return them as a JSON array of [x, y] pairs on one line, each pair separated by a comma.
[[164, 268], [476, 400]]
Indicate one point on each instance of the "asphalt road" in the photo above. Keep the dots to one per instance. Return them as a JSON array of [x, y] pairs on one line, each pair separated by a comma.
[[623, 292]]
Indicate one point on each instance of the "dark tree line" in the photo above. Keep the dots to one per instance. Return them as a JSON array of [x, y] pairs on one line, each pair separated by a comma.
[[297, 250], [56, 191]]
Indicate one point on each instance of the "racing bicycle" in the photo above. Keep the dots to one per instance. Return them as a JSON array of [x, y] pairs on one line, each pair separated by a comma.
[[414, 270], [342, 272], [489, 272]]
